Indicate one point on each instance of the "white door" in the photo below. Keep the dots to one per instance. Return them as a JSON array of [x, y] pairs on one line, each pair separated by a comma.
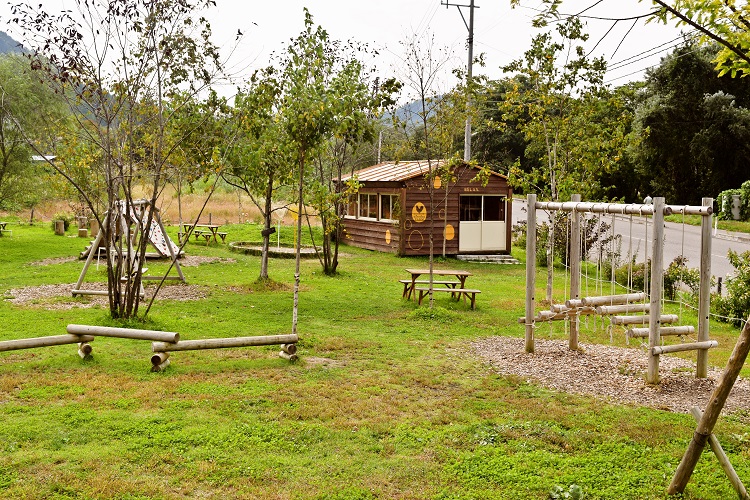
[[482, 226]]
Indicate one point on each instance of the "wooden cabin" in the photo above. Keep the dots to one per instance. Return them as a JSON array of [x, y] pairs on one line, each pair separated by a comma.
[[392, 211]]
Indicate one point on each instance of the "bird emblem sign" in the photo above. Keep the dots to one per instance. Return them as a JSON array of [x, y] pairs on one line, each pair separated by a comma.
[[419, 212]]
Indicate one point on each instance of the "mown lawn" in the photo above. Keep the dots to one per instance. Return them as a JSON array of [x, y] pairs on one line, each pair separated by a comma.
[[387, 401]]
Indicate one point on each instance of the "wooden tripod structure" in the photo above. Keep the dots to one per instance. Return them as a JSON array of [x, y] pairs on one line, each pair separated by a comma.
[[136, 215]]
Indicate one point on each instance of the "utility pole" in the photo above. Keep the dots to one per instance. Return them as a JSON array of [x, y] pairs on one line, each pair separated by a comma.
[[470, 27]]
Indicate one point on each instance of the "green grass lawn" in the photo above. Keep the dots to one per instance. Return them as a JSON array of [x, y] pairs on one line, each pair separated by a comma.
[[386, 400]]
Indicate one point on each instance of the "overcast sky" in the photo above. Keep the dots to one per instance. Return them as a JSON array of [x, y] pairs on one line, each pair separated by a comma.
[[501, 33]]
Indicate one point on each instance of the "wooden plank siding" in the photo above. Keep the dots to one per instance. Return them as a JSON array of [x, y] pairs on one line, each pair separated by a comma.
[[416, 218]]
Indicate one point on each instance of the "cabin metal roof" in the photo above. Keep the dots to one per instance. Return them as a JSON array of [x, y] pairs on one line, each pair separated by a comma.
[[393, 171], [397, 171]]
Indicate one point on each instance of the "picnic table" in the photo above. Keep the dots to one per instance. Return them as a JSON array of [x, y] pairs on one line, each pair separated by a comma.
[[3, 226], [456, 287], [206, 231]]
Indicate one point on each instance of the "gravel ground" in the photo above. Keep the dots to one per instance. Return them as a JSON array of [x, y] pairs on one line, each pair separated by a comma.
[[59, 297], [613, 374]]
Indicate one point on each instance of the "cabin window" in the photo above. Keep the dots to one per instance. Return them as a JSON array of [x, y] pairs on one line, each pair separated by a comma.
[[387, 206], [494, 208], [368, 206], [351, 209], [470, 208]]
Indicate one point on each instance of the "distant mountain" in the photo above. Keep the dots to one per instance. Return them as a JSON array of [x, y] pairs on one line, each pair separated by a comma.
[[8, 45], [409, 112]]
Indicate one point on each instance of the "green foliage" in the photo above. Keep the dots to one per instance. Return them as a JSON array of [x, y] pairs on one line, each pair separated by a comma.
[[724, 202], [691, 122], [66, 217], [735, 303], [678, 275], [574, 492], [384, 401], [30, 117], [556, 77]]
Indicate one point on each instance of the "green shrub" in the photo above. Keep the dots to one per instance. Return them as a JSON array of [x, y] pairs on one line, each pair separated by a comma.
[[735, 305], [67, 219], [679, 274]]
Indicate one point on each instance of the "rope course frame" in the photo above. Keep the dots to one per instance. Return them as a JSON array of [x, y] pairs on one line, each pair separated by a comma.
[[657, 210]]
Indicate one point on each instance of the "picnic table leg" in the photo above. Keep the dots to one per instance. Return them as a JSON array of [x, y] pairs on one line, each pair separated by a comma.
[[413, 289]]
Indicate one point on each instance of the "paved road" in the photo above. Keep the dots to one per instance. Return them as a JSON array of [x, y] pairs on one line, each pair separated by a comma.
[[680, 239]]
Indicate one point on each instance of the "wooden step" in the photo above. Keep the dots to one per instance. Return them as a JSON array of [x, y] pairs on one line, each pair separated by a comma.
[[692, 346], [642, 319], [613, 300], [623, 309], [667, 330]]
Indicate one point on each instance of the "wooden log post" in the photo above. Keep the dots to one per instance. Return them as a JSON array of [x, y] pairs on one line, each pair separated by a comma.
[[59, 227], [713, 442], [530, 269], [713, 409], [575, 271], [222, 343], [704, 291], [84, 350], [657, 271], [13, 345], [124, 333], [289, 348], [287, 356], [159, 361]]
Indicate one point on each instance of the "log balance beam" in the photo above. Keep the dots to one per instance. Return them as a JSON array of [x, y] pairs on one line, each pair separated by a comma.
[[13, 345], [124, 333], [161, 350]]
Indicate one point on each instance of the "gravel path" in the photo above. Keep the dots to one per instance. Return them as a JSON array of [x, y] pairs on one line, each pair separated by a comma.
[[613, 374]]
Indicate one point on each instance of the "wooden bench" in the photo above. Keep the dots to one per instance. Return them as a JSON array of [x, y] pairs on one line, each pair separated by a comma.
[[455, 292], [407, 285], [6, 231], [223, 237]]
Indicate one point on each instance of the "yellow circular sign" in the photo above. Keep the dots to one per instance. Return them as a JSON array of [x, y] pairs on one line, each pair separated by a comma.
[[437, 183], [450, 232], [419, 212], [387, 236]]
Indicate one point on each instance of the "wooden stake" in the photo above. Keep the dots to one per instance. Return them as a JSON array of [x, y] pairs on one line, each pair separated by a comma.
[[713, 409], [713, 442]]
